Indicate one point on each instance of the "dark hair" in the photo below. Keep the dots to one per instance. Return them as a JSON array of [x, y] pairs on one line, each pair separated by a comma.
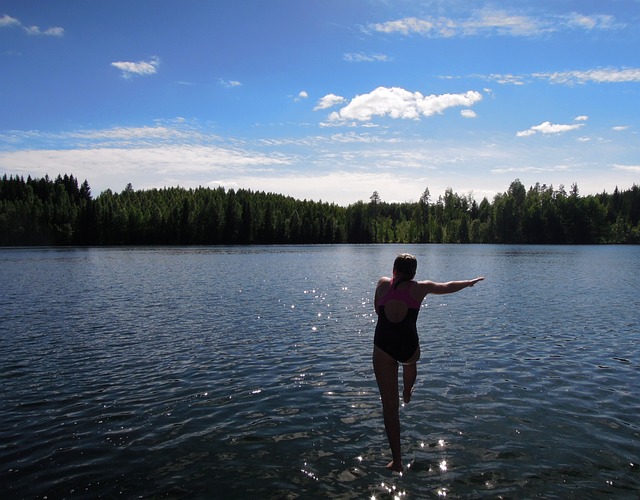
[[405, 267]]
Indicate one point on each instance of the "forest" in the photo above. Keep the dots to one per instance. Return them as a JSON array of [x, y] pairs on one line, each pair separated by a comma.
[[62, 211]]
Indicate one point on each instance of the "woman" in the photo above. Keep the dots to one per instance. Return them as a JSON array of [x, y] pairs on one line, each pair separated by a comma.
[[397, 303]]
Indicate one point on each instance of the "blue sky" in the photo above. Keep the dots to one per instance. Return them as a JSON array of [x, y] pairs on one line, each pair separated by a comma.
[[323, 99]]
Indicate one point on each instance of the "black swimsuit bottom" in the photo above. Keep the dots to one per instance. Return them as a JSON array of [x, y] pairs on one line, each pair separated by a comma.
[[398, 340]]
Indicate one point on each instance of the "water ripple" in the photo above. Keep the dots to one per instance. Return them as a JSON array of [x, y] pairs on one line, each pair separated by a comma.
[[153, 373]]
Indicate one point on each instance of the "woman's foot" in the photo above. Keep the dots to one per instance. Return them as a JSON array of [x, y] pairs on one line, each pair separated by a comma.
[[395, 466], [406, 395]]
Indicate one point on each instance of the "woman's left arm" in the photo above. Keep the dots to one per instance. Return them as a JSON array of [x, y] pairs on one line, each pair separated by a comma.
[[449, 286]]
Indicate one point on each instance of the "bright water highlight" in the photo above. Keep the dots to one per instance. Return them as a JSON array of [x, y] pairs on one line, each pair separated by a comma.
[[245, 372]]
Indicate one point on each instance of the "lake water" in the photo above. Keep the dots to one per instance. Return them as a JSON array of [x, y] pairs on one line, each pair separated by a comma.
[[245, 372]]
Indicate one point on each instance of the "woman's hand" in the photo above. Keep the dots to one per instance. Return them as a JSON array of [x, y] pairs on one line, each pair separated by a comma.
[[475, 280]]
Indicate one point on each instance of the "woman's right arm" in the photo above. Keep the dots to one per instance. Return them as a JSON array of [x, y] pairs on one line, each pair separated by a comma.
[[381, 283]]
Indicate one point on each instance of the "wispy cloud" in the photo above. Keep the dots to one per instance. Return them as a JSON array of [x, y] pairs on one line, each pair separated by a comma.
[[396, 102], [172, 132], [35, 30], [229, 83], [343, 168], [547, 128], [153, 156], [490, 22], [8, 22], [576, 77], [628, 168], [529, 169], [581, 21], [349, 166], [408, 25], [604, 75], [360, 57], [140, 68], [507, 79]]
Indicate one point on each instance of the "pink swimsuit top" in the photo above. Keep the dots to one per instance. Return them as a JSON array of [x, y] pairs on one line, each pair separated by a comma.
[[401, 294]]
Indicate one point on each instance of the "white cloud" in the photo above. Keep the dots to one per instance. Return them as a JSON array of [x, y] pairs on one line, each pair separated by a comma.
[[528, 169], [581, 118], [303, 94], [597, 75], [359, 57], [502, 23], [468, 113], [171, 132], [508, 79], [329, 101], [628, 168], [406, 26], [549, 128], [602, 75], [396, 102], [343, 167], [338, 167], [130, 136], [494, 22], [597, 21], [229, 83], [8, 21], [35, 30], [145, 167], [620, 128], [141, 68], [345, 186]]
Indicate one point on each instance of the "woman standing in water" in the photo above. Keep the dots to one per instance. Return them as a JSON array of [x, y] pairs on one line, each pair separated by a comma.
[[397, 303]]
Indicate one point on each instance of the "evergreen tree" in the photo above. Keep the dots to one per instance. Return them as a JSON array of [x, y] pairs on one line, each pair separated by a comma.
[[61, 212]]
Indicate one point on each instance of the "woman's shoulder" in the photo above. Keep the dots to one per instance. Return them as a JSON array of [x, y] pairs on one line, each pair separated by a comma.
[[421, 289], [383, 284]]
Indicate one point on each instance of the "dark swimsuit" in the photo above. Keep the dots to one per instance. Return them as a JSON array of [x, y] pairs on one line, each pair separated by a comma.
[[398, 340]]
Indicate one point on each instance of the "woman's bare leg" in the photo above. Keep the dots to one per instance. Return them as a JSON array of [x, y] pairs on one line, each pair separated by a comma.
[[386, 370], [409, 375]]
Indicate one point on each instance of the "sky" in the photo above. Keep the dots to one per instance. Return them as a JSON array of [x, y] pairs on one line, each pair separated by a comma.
[[325, 100]]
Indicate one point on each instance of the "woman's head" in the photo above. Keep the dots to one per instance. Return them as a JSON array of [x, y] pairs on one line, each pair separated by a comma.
[[405, 266]]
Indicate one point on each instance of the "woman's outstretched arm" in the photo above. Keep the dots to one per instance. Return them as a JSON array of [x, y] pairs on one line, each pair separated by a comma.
[[448, 287]]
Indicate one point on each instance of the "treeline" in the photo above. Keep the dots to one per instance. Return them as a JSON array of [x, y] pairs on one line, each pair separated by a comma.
[[63, 212]]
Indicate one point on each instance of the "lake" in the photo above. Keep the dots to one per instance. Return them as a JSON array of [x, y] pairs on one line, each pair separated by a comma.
[[245, 372]]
